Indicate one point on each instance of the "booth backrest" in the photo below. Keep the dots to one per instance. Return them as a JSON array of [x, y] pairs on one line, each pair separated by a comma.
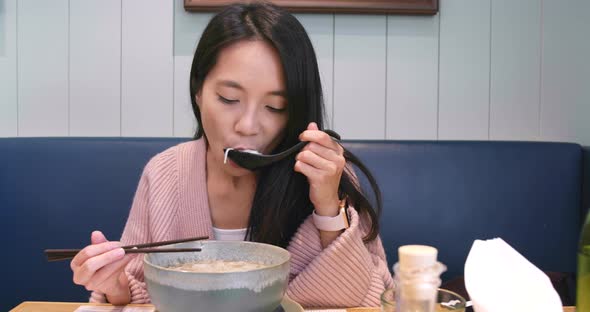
[[55, 191]]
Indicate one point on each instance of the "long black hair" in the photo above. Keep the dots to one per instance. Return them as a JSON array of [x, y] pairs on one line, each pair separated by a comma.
[[281, 202]]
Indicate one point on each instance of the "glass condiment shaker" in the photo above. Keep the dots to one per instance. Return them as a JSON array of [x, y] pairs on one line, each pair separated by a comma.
[[417, 278]]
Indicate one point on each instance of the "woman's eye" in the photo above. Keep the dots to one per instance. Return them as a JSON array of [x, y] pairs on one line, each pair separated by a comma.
[[276, 110], [226, 100]]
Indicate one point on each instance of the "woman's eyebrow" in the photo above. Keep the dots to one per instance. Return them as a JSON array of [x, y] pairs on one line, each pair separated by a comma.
[[230, 84], [235, 85], [279, 93]]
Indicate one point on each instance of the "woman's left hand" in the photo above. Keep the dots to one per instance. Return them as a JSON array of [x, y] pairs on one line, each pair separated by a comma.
[[322, 162]]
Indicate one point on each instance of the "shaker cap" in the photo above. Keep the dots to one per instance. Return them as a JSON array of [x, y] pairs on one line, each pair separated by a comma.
[[412, 257]]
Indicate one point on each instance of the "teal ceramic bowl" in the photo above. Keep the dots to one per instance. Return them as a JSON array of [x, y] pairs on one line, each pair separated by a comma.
[[260, 289]]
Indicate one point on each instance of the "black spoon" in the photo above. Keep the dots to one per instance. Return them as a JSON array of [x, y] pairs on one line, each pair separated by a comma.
[[253, 161]]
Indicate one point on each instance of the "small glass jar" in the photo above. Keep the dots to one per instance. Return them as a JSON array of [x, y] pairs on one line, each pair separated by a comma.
[[416, 288], [446, 301]]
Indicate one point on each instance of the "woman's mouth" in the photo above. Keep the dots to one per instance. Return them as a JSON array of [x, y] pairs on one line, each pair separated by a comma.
[[241, 149]]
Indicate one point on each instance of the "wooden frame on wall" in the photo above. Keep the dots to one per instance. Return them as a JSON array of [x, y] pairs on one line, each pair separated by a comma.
[[410, 7]]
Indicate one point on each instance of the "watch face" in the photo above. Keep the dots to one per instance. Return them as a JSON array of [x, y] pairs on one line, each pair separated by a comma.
[[345, 220]]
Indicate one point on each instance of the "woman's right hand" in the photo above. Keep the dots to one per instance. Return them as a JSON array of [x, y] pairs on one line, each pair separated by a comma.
[[100, 267]]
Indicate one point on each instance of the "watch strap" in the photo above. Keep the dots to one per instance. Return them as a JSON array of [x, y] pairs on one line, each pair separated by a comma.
[[332, 224]]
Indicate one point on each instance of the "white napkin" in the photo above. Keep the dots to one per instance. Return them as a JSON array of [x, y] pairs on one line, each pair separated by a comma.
[[499, 279]]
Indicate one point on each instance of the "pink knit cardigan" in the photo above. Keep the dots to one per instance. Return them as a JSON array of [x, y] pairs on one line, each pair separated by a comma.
[[171, 202]]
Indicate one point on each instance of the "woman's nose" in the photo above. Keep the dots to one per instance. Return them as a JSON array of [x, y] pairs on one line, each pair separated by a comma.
[[248, 123]]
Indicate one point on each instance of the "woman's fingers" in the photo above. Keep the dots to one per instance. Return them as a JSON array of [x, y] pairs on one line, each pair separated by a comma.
[[322, 139], [97, 237], [313, 159], [108, 274], [93, 251], [86, 270], [326, 153], [309, 171], [322, 162]]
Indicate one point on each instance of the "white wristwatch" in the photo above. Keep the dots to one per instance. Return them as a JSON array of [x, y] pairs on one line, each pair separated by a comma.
[[332, 224]]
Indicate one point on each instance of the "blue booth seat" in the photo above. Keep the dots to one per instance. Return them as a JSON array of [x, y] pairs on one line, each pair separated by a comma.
[[55, 191]]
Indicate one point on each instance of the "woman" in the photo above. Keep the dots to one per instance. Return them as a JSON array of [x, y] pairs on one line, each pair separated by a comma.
[[254, 84]]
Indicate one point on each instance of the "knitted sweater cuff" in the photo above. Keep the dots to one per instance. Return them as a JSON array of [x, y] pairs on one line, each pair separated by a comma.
[[338, 275], [138, 290]]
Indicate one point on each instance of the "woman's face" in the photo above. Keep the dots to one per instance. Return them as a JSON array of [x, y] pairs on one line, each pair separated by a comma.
[[243, 102]]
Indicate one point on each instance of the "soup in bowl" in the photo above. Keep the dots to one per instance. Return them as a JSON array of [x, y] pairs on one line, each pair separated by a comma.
[[223, 276]]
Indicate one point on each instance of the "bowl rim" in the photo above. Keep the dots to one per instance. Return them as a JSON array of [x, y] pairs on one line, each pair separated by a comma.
[[282, 250]]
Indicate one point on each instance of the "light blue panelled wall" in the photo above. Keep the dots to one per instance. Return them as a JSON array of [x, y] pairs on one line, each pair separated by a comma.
[[478, 70]]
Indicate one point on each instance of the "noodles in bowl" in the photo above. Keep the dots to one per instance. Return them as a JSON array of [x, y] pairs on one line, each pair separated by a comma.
[[218, 266]]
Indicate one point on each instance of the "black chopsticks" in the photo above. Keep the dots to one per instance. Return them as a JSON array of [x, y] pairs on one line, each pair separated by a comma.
[[65, 254]]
